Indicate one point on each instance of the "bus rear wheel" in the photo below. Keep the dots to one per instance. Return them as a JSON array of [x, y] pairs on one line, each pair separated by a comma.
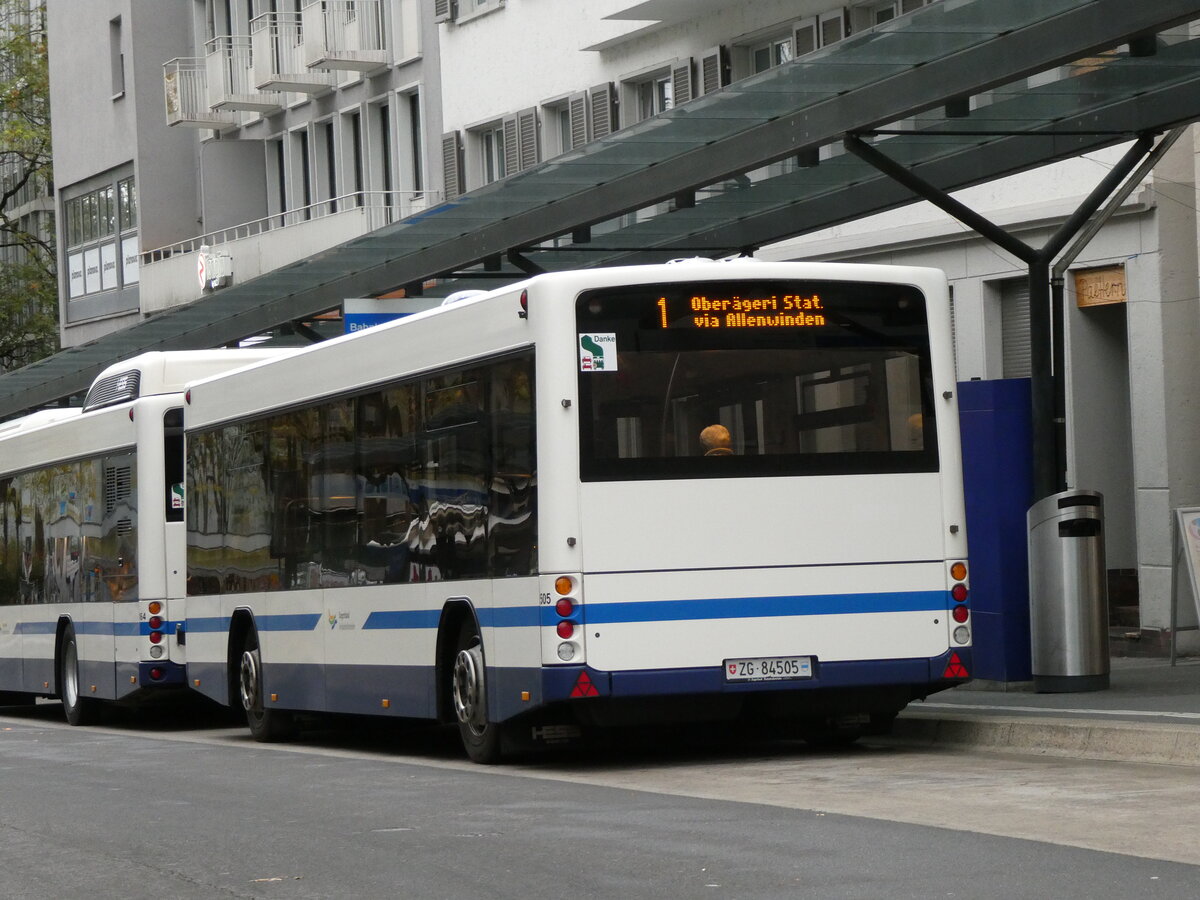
[[79, 710], [266, 725], [468, 689]]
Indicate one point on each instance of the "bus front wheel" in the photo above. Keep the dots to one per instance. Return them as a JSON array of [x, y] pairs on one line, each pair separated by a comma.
[[468, 688], [266, 725], [79, 710]]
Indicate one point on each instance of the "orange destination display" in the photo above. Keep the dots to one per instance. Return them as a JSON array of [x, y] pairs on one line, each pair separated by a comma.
[[736, 311]]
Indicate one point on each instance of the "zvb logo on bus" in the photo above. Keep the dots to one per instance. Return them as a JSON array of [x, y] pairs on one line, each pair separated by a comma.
[[340, 621]]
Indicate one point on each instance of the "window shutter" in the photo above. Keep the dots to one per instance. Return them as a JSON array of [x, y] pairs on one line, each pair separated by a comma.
[[527, 138], [600, 103], [1014, 329], [681, 82], [804, 37], [834, 26], [512, 156], [443, 10], [577, 111], [714, 70], [452, 164]]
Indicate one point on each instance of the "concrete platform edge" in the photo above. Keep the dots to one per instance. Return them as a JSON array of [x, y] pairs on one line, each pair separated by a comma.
[[1156, 744]]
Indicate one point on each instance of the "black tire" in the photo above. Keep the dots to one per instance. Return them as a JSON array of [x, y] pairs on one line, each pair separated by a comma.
[[79, 710], [468, 689], [266, 725]]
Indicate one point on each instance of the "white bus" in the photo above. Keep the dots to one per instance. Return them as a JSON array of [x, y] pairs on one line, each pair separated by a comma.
[[615, 495], [92, 534]]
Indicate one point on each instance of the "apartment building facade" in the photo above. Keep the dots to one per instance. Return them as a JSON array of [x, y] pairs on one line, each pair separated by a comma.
[[243, 135]]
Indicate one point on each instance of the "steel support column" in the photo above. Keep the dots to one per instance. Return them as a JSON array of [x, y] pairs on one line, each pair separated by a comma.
[[1045, 324]]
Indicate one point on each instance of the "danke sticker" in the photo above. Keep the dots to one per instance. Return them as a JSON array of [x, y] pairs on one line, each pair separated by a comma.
[[598, 352]]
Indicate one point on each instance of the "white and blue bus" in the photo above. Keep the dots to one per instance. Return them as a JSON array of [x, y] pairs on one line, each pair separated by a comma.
[[706, 489], [92, 535]]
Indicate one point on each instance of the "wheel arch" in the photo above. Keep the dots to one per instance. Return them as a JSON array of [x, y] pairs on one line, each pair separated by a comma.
[[454, 614], [241, 624], [60, 636]]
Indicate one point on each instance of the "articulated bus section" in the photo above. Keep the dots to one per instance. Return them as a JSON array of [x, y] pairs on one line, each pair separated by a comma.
[[705, 489], [93, 539]]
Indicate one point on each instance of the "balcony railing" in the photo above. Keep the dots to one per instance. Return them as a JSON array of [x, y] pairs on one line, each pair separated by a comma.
[[344, 34], [277, 40], [185, 86], [230, 77], [375, 208]]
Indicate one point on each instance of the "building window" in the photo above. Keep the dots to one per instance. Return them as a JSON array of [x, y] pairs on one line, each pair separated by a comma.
[[869, 15], [566, 124], [116, 58], [770, 53], [100, 228], [416, 142], [381, 148], [491, 147], [353, 123], [654, 96]]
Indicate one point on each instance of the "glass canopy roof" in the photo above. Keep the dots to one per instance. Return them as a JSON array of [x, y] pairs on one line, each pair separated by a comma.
[[961, 92]]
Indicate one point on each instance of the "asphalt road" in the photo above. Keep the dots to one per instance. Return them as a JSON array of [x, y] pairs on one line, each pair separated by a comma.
[[192, 808]]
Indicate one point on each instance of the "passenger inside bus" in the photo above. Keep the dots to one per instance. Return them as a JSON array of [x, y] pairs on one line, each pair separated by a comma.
[[716, 441]]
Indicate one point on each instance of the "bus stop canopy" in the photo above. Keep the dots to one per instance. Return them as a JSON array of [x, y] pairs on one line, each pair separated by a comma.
[[960, 92]]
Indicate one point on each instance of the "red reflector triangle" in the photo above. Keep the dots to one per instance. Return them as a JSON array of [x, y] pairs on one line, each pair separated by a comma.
[[955, 668], [584, 687]]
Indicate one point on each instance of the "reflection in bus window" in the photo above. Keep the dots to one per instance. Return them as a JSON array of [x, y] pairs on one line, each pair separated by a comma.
[[426, 480]]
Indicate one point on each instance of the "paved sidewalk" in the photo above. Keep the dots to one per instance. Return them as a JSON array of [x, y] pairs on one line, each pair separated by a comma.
[[1150, 713]]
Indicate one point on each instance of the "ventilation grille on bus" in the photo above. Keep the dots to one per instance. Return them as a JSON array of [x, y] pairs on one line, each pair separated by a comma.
[[118, 485], [114, 389]]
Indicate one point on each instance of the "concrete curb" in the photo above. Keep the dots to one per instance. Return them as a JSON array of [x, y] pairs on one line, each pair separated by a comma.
[[1050, 736]]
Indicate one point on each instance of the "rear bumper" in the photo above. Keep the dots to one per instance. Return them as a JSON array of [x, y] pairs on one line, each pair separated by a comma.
[[923, 676]]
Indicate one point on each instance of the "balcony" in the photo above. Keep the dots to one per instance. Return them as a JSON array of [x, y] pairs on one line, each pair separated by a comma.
[[185, 86], [277, 42], [168, 274], [230, 77], [344, 35]]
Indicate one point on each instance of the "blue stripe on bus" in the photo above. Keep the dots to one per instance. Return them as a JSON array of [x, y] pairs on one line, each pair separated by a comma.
[[292, 622], [35, 628], [763, 607], [109, 629], [403, 618], [220, 624], [534, 616], [208, 624]]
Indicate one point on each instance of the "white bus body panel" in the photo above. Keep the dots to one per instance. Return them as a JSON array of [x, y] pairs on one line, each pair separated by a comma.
[[634, 542]]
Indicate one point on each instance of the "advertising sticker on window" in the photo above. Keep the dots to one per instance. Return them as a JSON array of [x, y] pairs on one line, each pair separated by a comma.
[[598, 352]]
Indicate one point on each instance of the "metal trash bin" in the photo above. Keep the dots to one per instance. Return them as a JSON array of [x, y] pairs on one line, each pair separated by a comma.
[[1068, 593]]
